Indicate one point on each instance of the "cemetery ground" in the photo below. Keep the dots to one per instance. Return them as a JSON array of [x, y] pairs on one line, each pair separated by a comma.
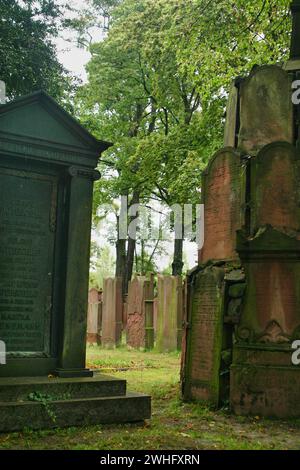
[[174, 425]]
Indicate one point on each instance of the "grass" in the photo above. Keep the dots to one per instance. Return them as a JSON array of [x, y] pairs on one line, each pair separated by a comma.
[[174, 425]]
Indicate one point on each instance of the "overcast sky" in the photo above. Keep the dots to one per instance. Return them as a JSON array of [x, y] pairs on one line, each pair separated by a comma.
[[72, 57]]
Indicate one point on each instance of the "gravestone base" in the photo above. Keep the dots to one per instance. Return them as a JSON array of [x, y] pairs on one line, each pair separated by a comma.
[[44, 403], [261, 388], [70, 373]]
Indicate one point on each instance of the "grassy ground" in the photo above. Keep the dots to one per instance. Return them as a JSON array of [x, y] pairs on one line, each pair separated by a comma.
[[174, 425]]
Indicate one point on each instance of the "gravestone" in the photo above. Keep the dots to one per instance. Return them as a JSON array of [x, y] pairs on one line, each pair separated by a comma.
[[155, 314], [263, 379], [94, 317], [203, 355], [275, 192], [47, 170], [261, 313], [266, 108], [140, 327], [231, 123], [223, 199], [214, 296], [112, 313], [169, 313]]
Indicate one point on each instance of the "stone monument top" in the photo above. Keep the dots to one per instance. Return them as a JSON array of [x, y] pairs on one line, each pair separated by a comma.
[[47, 170]]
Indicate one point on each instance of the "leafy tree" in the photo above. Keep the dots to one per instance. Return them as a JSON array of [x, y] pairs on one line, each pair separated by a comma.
[[117, 101], [27, 54], [158, 86]]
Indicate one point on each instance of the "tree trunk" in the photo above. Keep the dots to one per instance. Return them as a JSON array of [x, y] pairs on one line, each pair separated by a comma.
[[121, 257], [121, 243], [177, 264], [131, 246]]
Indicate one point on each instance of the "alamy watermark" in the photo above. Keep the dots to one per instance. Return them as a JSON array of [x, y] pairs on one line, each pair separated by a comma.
[[2, 353], [296, 353], [2, 92], [139, 221], [296, 93]]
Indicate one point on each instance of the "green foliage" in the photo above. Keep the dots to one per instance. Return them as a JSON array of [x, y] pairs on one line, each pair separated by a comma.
[[45, 400], [103, 266], [158, 85], [28, 59]]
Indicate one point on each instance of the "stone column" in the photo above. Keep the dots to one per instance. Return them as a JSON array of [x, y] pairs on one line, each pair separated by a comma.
[[295, 42], [78, 223]]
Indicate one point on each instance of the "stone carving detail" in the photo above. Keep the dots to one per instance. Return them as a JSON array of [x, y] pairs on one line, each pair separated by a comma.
[[273, 334], [244, 334]]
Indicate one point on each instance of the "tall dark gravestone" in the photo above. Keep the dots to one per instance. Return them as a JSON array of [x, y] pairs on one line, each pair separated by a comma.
[[47, 171]]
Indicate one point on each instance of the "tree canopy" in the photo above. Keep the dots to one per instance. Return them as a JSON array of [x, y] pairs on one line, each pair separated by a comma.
[[158, 81], [28, 59], [158, 85]]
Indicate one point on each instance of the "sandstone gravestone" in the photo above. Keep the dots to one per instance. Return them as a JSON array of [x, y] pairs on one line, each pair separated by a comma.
[[223, 199], [203, 355], [275, 192], [140, 327], [47, 163], [261, 310], [112, 312], [169, 313], [231, 124], [266, 108], [263, 380], [155, 314], [93, 319]]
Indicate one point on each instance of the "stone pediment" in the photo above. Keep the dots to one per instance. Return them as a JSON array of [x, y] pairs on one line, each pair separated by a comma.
[[37, 119]]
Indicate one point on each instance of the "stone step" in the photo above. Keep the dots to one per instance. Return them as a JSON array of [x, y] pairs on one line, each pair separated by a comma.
[[16, 416], [15, 389]]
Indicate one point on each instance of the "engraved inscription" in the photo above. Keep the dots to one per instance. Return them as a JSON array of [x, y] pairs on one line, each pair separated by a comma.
[[205, 335], [26, 252]]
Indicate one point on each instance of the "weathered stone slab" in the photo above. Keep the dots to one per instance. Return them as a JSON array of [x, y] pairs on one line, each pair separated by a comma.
[[133, 407], [262, 375], [275, 192], [140, 326], [265, 391], [266, 108], [231, 124], [26, 248], [93, 326], [223, 198], [112, 312], [20, 388], [169, 313], [155, 314], [271, 311], [204, 347]]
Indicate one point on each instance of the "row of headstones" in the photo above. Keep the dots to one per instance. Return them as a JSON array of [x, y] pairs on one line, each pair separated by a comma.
[[149, 321]]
